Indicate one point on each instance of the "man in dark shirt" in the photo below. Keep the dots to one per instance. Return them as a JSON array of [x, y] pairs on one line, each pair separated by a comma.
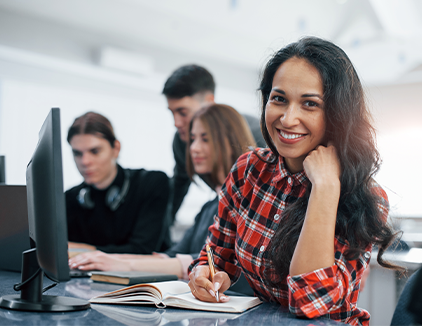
[[187, 90]]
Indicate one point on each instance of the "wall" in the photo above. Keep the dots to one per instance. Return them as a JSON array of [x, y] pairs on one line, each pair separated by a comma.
[[398, 118], [45, 64]]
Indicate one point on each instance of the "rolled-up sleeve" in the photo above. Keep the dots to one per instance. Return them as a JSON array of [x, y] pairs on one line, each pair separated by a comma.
[[332, 290]]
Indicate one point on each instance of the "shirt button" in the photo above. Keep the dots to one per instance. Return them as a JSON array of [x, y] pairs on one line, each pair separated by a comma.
[[367, 255], [289, 180], [262, 248], [276, 217]]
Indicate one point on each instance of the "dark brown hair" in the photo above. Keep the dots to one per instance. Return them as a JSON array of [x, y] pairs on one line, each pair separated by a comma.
[[189, 80], [94, 124], [229, 137], [349, 128]]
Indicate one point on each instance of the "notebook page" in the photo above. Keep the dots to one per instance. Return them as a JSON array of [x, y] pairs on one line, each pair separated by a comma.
[[235, 305]]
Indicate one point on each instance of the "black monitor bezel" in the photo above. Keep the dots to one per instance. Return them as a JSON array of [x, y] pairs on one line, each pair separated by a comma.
[[46, 201]]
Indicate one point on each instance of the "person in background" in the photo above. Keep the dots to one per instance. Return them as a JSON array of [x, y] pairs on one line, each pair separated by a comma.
[[115, 210], [187, 90], [300, 218], [218, 135]]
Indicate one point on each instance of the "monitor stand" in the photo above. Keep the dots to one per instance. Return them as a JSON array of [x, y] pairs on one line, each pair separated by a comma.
[[31, 297]]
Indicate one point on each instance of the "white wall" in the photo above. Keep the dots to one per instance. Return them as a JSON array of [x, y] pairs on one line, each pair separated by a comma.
[[398, 118]]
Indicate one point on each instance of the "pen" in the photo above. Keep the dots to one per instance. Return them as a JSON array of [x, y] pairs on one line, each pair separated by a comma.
[[212, 268]]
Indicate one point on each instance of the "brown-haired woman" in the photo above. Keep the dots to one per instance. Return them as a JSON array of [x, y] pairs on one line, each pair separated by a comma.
[[218, 135], [113, 208]]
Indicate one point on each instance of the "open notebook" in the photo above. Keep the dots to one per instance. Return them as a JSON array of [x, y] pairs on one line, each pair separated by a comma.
[[173, 294]]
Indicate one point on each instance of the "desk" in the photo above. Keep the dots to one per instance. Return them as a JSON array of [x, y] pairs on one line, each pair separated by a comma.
[[265, 314]]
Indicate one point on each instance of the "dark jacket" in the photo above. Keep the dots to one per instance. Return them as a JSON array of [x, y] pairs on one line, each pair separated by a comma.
[[195, 236]]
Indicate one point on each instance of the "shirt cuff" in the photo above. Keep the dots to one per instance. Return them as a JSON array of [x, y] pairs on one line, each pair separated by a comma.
[[185, 261], [298, 282], [315, 293]]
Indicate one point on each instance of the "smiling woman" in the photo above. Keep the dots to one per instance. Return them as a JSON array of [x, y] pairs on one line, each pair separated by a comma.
[[294, 113], [300, 218], [113, 208]]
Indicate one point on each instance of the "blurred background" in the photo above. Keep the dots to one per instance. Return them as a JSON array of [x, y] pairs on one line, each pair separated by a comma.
[[113, 57]]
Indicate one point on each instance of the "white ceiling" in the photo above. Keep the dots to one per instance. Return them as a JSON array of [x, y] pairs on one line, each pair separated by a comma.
[[382, 37]]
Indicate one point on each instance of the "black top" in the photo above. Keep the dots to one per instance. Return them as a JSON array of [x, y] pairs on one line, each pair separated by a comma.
[[180, 182], [195, 236], [136, 226]]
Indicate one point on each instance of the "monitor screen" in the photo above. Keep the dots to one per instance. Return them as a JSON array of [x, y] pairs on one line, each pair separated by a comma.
[[46, 202]]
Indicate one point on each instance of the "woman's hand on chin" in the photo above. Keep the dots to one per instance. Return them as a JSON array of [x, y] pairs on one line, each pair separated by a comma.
[[322, 166], [98, 260]]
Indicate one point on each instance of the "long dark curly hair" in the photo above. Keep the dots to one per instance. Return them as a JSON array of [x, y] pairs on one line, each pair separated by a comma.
[[348, 126]]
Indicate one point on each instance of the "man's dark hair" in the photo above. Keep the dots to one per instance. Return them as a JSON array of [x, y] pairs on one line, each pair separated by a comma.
[[187, 81]]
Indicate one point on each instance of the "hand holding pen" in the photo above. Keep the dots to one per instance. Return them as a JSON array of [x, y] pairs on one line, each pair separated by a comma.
[[212, 269], [207, 284]]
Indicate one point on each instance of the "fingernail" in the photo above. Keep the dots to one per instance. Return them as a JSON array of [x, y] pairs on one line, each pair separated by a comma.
[[224, 298], [212, 293], [216, 286]]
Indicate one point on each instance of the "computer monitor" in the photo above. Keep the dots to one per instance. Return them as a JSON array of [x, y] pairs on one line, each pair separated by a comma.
[[47, 227]]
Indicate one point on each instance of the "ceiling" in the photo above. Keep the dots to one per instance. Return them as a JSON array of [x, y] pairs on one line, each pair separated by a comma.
[[382, 37]]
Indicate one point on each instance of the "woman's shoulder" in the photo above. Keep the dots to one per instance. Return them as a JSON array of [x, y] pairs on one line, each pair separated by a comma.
[[249, 166], [147, 183], [378, 191], [208, 210], [382, 198], [256, 158], [139, 175]]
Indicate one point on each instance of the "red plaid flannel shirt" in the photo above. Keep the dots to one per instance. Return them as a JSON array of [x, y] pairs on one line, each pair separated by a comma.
[[250, 209]]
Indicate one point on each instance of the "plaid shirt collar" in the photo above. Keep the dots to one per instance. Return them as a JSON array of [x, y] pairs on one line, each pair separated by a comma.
[[281, 172]]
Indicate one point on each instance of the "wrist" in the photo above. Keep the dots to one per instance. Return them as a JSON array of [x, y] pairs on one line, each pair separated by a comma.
[[327, 184], [327, 189]]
